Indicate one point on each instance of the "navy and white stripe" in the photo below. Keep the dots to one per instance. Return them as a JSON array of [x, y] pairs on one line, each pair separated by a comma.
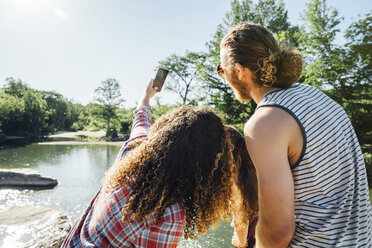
[[332, 206]]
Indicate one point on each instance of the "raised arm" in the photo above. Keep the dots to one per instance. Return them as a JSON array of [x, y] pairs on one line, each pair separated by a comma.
[[142, 123], [142, 119], [268, 134]]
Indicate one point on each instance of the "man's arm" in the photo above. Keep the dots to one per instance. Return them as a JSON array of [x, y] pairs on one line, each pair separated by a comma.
[[268, 135]]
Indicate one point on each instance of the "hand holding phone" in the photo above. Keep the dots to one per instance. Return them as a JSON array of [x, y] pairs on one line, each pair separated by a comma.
[[160, 77]]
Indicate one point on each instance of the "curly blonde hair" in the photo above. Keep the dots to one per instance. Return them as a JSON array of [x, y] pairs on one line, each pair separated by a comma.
[[186, 159], [244, 178], [254, 47]]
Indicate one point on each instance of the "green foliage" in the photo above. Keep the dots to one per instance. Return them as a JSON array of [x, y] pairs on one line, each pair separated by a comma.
[[108, 99], [89, 118], [269, 13], [335, 66], [31, 113], [75, 116], [343, 72], [360, 114], [359, 36], [56, 110], [182, 75], [368, 162], [2, 137], [368, 159], [12, 110], [86, 138], [317, 42], [124, 120], [24, 110]]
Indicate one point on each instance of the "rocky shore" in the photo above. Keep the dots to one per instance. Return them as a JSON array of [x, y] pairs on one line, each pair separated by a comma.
[[33, 227], [25, 179]]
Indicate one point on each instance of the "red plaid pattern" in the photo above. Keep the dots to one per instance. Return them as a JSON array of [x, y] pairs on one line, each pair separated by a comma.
[[101, 225]]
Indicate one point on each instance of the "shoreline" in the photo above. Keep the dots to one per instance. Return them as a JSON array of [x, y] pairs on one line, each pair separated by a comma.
[[111, 143], [74, 136]]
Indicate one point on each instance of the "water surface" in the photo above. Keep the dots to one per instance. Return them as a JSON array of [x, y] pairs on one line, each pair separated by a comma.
[[79, 170]]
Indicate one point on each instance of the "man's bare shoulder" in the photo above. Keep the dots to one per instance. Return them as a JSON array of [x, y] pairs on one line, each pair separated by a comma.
[[269, 120]]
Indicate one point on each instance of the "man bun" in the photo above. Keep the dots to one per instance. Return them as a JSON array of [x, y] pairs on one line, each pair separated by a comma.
[[280, 69], [289, 66]]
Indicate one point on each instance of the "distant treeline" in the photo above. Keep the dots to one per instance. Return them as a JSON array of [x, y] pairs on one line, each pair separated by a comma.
[[32, 113]]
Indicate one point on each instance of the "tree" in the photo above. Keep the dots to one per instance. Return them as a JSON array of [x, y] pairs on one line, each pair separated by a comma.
[[11, 111], [344, 71], [57, 110], [108, 96], [322, 68], [358, 63], [182, 72], [359, 45], [269, 13], [33, 121], [28, 112]]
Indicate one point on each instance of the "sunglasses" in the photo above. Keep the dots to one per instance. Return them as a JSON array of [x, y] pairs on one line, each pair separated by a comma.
[[220, 71]]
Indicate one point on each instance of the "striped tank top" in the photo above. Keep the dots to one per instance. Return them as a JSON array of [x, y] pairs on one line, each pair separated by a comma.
[[332, 206]]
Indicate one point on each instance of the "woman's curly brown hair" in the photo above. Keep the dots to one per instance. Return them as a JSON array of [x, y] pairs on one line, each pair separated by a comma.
[[186, 159], [244, 178]]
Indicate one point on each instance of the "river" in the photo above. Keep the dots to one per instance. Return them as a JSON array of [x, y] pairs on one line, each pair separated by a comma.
[[79, 170]]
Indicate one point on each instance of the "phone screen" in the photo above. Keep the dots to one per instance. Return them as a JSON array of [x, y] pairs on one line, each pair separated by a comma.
[[160, 77]]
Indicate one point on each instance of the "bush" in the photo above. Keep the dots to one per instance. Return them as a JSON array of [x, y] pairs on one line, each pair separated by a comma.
[[360, 114], [77, 126], [2, 138], [368, 161], [113, 133], [82, 136]]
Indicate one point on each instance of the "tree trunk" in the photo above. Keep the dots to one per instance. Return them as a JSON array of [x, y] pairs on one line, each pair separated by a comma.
[[108, 126]]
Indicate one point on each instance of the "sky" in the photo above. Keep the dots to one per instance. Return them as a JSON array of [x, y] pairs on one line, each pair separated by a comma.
[[70, 46]]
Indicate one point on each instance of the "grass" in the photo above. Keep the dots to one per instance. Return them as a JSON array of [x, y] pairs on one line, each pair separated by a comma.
[[80, 137], [86, 138]]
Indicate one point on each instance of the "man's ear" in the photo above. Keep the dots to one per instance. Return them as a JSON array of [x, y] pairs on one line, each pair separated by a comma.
[[240, 71], [244, 72]]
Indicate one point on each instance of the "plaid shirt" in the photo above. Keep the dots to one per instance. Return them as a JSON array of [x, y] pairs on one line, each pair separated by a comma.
[[101, 225]]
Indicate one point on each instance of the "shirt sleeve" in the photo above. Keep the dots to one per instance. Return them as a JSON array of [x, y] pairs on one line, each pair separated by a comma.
[[142, 121]]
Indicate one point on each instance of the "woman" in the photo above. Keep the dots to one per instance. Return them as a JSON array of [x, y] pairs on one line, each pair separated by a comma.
[[176, 178]]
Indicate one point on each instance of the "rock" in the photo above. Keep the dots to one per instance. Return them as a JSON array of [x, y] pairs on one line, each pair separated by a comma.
[[33, 227], [25, 179]]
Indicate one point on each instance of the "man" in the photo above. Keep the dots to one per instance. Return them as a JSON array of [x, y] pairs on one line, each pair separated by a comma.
[[312, 185]]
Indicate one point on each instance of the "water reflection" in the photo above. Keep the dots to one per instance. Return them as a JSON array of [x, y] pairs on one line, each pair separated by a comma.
[[79, 170]]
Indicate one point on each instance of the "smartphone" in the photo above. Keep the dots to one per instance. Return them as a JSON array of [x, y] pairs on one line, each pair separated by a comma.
[[160, 77]]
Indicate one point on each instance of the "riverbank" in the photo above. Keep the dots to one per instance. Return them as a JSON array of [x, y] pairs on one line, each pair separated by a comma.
[[112, 143], [81, 138], [68, 134]]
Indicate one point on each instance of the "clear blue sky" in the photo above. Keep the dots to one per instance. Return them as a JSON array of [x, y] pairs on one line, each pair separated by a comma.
[[69, 46]]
